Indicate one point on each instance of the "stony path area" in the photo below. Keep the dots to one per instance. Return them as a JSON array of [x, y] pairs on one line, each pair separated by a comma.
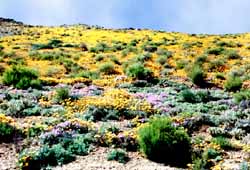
[[97, 161]]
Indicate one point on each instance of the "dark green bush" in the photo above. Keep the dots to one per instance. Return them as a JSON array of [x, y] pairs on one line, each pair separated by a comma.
[[7, 132], [99, 57], [180, 64], [162, 59], [233, 84], [1, 48], [143, 57], [205, 162], [200, 60], [138, 71], [216, 51], [54, 43], [150, 48], [197, 75], [107, 68], [100, 47], [188, 96], [89, 74], [232, 54], [21, 77], [223, 142], [62, 94], [242, 95], [164, 52], [118, 155], [160, 141], [217, 63]]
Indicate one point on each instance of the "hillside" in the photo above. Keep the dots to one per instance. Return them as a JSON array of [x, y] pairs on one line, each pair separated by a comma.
[[72, 94]]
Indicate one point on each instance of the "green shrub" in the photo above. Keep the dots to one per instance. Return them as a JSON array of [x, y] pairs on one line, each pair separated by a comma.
[[217, 63], [220, 76], [89, 74], [45, 156], [7, 132], [242, 95], [188, 96], [107, 68], [200, 60], [233, 84], [95, 113], [205, 162], [164, 52], [138, 71], [150, 48], [21, 77], [99, 57], [1, 48], [216, 51], [143, 57], [81, 145], [54, 43], [100, 47], [232, 54], [160, 141], [118, 155], [162, 60], [226, 44], [62, 94], [180, 64], [115, 60], [197, 75], [223, 142]]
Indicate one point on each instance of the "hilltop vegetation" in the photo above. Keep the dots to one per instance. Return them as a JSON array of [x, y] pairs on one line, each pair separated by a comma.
[[177, 99]]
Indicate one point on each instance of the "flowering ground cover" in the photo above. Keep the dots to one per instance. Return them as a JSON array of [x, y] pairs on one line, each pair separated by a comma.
[[75, 95]]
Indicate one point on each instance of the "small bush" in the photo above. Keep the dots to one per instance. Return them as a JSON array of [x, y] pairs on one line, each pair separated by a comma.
[[45, 156], [160, 141], [89, 74], [138, 71], [99, 57], [200, 60], [197, 75], [181, 64], [224, 143], [100, 47], [164, 52], [62, 94], [7, 132], [233, 84], [162, 60], [150, 48], [107, 68], [216, 51], [242, 95], [21, 77], [118, 155], [188, 96], [232, 54], [205, 161], [54, 43], [1, 48], [81, 145]]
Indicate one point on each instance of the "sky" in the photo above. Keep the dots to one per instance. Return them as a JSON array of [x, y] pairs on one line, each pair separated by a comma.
[[190, 16]]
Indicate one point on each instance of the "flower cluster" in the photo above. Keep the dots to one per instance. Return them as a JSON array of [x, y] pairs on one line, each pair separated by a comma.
[[6, 119], [50, 80], [66, 129], [156, 100], [125, 139]]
